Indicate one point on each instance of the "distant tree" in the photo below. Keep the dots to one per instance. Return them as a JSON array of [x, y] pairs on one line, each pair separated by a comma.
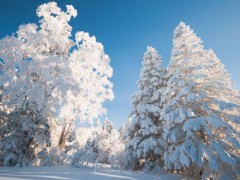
[[145, 133], [124, 130], [109, 144], [200, 110], [90, 150], [101, 146]]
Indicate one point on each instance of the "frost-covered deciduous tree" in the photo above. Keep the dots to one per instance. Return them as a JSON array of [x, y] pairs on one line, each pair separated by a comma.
[[145, 133], [90, 71], [40, 75], [200, 110], [25, 129]]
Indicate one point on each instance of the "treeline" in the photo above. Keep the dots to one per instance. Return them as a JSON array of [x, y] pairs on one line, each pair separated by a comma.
[[185, 118]]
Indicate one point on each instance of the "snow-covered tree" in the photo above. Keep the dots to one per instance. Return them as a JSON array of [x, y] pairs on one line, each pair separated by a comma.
[[42, 76], [145, 133], [101, 144], [91, 88], [87, 139], [22, 135], [124, 130], [200, 110]]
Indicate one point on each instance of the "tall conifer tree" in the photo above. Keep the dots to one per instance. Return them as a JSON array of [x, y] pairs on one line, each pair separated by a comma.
[[145, 129], [200, 109]]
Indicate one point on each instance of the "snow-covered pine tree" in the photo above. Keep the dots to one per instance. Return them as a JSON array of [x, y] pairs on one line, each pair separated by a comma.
[[124, 138], [107, 126], [124, 130], [145, 132], [223, 118], [200, 135]]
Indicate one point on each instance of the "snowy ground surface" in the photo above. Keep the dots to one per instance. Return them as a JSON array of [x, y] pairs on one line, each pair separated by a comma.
[[65, 172]]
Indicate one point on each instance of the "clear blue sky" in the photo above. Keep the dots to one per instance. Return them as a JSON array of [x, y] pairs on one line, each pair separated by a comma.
[[127, 27]]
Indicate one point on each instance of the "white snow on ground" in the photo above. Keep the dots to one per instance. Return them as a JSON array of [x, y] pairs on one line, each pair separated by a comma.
[[67, 173]]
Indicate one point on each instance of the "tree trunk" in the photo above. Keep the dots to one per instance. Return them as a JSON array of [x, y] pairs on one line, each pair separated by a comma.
[[64, 135]]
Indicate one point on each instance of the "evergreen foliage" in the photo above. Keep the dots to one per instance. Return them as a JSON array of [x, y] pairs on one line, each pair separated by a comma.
[[145, 133]]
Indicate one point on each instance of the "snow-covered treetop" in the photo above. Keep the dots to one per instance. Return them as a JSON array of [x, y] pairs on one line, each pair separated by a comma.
[[185, 31], [40, 68], [107, 125], [151, 56], [53, 18], [151, 70], [185, 41]]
